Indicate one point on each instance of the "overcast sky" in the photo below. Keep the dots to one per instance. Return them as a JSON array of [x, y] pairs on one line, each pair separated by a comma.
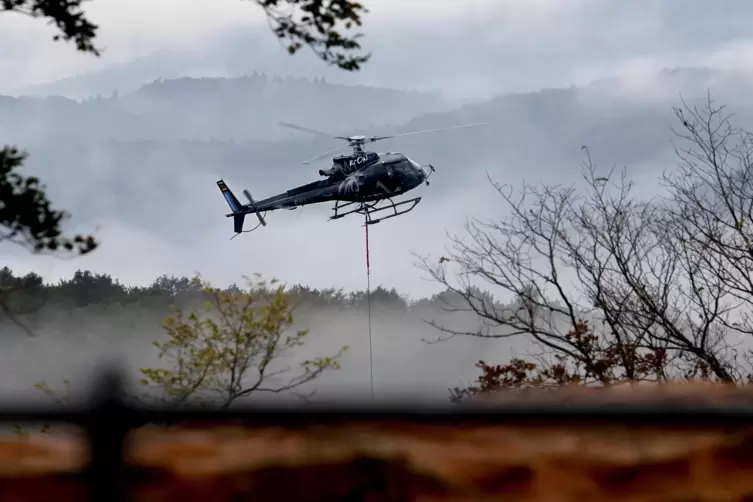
[[470, 48], [457, 46]]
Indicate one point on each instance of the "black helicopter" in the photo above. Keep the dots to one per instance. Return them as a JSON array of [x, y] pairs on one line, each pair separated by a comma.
[[363, 182]]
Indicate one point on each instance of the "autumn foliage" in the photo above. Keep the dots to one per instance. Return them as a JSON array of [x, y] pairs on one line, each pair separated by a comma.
[[593, 361]]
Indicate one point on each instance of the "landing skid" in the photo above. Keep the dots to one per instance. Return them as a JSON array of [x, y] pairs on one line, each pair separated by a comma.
[[370, 208]]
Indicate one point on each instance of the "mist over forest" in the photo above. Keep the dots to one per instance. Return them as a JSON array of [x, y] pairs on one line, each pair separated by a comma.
[[92, 318]]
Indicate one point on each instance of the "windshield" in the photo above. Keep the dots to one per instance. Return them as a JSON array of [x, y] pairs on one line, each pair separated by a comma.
[[406, 166], [415, 165]]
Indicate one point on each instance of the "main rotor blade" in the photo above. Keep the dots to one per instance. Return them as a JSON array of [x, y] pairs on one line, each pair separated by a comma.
[[310, 131], [378, 138], [325, 154]]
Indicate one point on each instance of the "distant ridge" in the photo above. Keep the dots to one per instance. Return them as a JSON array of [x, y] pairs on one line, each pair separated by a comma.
[[207, 108]]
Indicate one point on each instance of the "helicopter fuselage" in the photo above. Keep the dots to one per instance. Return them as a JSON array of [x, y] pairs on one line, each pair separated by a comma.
[[362, 182], [365, 181], [361, 177]]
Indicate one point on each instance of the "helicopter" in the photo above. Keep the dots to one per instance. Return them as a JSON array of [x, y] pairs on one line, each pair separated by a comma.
[[362, 182]]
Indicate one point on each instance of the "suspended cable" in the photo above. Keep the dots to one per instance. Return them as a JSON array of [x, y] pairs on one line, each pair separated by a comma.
[[368, 302]]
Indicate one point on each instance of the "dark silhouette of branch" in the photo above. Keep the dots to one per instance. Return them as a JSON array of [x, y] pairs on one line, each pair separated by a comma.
[[26, 216], [67, 15], [320, 25]]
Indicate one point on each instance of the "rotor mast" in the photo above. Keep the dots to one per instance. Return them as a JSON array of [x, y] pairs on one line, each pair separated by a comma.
[[356, 143]]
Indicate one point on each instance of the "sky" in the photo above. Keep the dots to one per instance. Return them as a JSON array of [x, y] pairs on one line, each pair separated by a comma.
[[466, 49], [462, 48]]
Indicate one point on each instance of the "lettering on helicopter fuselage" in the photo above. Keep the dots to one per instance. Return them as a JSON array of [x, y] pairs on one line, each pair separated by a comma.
[[355, 163]]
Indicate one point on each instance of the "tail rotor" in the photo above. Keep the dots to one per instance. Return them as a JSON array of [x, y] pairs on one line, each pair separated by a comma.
[[252, 204]]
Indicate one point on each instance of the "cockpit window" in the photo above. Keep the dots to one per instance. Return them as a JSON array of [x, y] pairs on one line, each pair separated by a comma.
[[403, 166]]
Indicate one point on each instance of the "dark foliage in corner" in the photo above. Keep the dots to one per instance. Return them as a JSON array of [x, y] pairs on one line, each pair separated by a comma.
[[67, 15], [26, 213]]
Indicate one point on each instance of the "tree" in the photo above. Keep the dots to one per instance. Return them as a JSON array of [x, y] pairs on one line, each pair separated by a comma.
[[28, 220], [20, 296], [599, 362], [665, 277], [317, 28], [230, 349], [225, 352], [86, 288], [26, 214]]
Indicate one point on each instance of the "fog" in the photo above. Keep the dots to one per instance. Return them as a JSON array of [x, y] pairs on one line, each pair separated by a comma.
[[133, 151], [405, 366]]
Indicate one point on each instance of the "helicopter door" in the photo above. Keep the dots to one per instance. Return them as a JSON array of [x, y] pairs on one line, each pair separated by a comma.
[[390, 178]]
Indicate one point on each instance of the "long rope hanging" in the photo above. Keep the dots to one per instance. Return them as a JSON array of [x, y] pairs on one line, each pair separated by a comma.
[[368, 303]]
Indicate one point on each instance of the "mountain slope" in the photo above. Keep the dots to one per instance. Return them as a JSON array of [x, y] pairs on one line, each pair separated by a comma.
[[211, 108]]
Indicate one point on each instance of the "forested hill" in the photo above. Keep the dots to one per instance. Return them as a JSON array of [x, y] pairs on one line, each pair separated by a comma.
[[68, 329], [202, 109], [99, 311], [29, 293]]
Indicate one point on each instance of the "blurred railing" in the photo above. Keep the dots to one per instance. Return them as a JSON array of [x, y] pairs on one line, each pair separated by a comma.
[[107, 420]]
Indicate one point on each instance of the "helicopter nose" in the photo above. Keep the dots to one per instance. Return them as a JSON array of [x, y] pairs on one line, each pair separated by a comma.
[[421, 175], [426, 174]]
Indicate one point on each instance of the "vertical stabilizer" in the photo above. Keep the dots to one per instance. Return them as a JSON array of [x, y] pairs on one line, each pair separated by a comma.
[[239, 211]]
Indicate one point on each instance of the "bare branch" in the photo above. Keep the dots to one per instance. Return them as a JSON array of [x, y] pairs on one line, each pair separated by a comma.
[[671, 275]]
